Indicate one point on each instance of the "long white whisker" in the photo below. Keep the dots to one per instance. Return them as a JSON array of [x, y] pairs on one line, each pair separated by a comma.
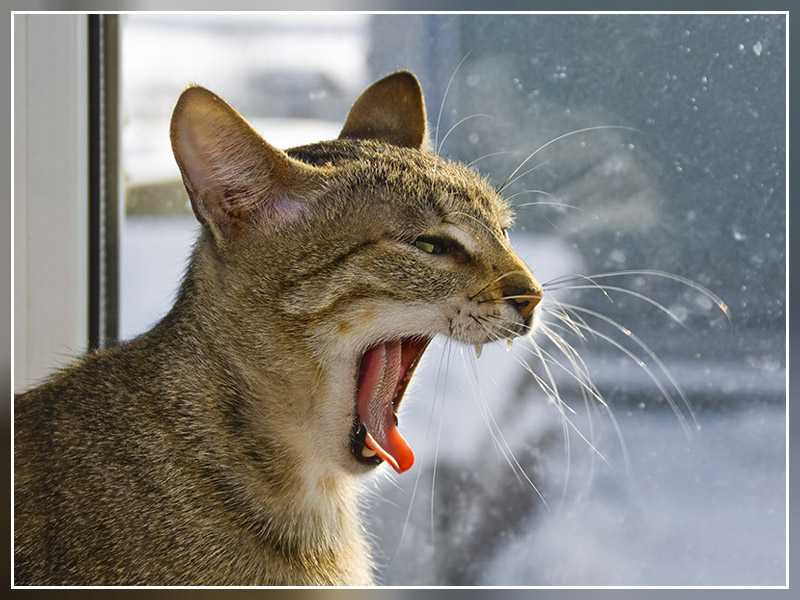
[[444, 139], [480, 158], [540, 353], [556, 199], [444, 98], [641, 364], [721, 305], [560, 283], [583, 378], [561, 137], [422, 456], [438, 440], [510, 457], [563, 316], [488, 418], [510, 182], [633, 293], [581, 374]]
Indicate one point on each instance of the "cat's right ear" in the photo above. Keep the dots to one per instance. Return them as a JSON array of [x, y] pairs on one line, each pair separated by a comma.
[[236, 181], [391, 110]]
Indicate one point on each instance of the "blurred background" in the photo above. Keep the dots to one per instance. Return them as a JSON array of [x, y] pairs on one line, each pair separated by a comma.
[[662, 147], [690, 181]]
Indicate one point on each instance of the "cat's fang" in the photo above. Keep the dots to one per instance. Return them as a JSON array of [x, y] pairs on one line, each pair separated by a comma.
[[478, 350], [368, 452], [509, 342]]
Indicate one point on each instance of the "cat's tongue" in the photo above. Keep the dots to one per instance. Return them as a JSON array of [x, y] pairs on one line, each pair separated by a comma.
[[381, 373]]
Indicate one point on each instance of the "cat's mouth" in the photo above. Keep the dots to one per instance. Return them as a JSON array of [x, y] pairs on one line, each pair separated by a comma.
[[383, 376]]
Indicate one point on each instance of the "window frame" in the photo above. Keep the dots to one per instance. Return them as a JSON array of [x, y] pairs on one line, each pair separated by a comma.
[[50, 121]]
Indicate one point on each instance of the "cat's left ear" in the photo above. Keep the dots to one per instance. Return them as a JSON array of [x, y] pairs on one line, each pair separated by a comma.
[[391, 110], [237, 182]]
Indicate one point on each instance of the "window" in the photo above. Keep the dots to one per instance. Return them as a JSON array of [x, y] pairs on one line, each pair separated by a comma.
[[662, 144], [656, 150]]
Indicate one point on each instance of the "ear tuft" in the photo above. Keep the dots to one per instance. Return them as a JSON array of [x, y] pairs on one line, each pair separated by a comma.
[[391, 110]]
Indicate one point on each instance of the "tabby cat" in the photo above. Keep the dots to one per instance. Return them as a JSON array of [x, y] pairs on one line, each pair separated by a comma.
[[226, 445]]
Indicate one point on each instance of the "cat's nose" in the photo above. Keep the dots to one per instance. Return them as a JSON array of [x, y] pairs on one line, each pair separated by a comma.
[[524, 299]]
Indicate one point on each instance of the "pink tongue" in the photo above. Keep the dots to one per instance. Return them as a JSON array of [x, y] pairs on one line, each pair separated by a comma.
[[381, 371]]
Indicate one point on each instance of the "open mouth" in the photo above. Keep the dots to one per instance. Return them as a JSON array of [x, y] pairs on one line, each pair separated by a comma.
[[384, 373]]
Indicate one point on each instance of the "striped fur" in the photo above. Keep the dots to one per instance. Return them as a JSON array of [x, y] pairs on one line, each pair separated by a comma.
[[214, 449]]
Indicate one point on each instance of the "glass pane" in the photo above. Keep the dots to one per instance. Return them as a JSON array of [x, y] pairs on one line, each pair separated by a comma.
[[651, 420]]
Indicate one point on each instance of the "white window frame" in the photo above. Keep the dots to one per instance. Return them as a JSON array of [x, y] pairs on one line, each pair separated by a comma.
[[50, 183]]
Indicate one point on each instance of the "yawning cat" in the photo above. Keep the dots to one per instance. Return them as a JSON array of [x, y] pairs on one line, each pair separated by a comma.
[[225, 445]]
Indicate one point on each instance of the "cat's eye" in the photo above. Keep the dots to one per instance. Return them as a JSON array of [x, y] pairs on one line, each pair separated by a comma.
[[441, 245], [428, 247]]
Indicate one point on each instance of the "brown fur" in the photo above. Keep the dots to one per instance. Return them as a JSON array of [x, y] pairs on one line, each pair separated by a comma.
[[214, 449]]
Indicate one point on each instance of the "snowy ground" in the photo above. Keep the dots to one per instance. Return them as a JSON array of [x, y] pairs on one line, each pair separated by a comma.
[[708, 510]]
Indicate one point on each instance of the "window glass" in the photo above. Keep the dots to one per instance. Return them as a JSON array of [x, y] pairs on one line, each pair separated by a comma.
[[650, 146]]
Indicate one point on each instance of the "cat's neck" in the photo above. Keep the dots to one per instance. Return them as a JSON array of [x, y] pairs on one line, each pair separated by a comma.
[[251, 416]]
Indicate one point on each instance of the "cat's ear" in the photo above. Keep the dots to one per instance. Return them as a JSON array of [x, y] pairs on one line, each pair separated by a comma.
[[390, 110], [236, 181]]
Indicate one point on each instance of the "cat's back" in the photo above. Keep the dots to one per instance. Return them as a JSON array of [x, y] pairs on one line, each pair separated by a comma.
[[106, 488], [89, 469]]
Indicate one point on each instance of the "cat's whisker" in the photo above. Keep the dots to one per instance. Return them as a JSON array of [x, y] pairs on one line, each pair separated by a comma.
[[564, 316], [580, 375], [560, 283], [560, 405], [704, 291], [641, 364], [584, 381], [583, 378], [494, 281], [506, 451], [556, 202], [638, 295], [450, 348], [574, 359], [444, 139], [485, 412], [556, 139], [523, 174], [649, 352], [424, 450], [480, 158], [444, 99]]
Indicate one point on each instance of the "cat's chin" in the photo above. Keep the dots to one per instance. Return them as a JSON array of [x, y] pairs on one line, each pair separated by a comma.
[[384, 372]]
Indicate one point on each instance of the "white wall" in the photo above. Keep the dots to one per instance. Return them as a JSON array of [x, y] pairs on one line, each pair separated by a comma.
[[50, 210]]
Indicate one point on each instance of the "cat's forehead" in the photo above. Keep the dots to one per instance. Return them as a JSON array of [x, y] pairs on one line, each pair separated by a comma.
[[467, 198], [452, 191]]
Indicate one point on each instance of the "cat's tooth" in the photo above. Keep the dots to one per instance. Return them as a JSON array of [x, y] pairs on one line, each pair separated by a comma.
[[478, 350], [367, 452], [509, 341]]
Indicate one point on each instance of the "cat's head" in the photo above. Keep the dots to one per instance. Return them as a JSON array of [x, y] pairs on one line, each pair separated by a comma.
[[352, 255]]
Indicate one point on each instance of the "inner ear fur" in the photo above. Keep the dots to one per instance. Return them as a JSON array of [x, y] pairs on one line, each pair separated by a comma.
[[391, 110], [236, 180]]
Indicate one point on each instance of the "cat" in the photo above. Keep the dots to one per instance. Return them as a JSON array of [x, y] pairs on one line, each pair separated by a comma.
[[227, 445]]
